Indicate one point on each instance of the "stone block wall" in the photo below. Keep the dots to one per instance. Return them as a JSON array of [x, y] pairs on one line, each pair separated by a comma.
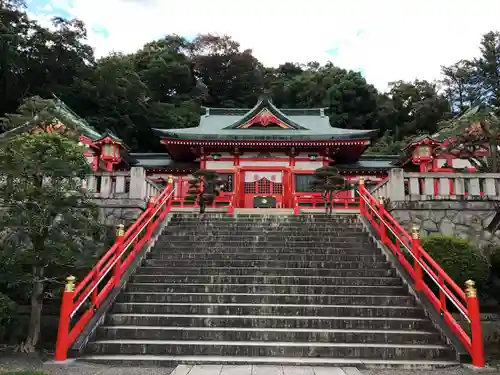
[[465, 219], [116, 211]]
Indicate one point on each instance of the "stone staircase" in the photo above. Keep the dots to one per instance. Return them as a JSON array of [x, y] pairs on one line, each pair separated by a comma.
[[267, 289]]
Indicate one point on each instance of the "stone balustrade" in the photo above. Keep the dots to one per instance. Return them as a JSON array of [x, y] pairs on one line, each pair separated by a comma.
[[414, 186], [131, 184]]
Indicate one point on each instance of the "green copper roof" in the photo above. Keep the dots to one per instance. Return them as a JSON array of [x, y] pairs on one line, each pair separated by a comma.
[[370, 162], [219, 124], [56, 111]]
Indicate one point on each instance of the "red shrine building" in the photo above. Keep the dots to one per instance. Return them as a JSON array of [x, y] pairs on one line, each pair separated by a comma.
[[266, 156]]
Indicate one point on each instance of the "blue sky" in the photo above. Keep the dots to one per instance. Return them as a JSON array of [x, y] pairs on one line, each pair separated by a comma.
[[386, 40]]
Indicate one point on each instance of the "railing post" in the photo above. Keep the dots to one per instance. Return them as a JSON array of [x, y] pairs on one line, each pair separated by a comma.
[[415, 249], [150, 228], [382, 228], [361, 192], [120, 232], [65, 320], [475, 324]]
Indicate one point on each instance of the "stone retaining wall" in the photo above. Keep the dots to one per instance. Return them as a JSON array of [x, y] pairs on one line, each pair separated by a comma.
[[465, 219]]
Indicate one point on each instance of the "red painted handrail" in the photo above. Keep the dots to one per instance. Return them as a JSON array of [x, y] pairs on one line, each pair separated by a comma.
[[316, 201], [413, 257], [82, 301]]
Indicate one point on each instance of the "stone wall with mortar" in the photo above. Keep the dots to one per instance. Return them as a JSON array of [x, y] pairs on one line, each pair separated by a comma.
[[466, 219], [116, 211]]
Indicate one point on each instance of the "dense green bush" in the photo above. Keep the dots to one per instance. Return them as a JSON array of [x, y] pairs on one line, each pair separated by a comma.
[[459, 258], [494, 254], [7, 315]]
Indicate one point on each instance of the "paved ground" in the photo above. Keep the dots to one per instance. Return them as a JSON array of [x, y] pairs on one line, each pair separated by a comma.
[[23, 362], [263, 370]]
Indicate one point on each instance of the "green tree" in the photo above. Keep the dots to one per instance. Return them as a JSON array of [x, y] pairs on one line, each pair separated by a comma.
[[329, 182], [203, 188], [473, 133], [234, 77], [51, 226], [419, 107], [488, 69], [461, 84]]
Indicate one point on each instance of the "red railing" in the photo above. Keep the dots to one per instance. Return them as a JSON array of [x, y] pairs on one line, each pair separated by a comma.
[[224, 200], [316, 201], [81, 302], [417, 262]]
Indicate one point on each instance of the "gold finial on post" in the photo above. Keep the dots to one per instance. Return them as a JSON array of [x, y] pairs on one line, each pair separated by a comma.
[[170, 180], [470, 289], [381, 200], [361, 180], [120, 230], [151, 200], [415, 232], [70, 284]]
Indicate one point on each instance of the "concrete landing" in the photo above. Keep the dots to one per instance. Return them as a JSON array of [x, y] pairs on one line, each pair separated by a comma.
[[262, 370]]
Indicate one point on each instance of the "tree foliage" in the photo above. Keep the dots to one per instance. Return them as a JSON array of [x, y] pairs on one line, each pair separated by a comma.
[[164, 84], [204, 187], [329, 182], [50, 226]]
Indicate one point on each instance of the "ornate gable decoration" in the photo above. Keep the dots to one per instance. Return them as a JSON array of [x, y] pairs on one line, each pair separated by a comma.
[[265, 115], [263, 119]]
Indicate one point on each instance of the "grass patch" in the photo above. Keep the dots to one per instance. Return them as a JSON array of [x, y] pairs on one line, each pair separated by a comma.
[[22, 373]]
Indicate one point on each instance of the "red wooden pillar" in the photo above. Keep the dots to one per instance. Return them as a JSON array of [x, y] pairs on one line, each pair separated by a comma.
[[203, 159], [415, 249], [120, 232], [382, 226], [62, 343], [237, 191], [477, 351], [361, 191]]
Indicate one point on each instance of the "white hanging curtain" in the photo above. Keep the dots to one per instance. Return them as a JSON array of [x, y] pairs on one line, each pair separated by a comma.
[[271, 176]]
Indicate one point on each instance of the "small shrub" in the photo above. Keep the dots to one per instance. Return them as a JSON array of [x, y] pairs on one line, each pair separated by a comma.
[[459, 258], [7, 315], [494, 253]]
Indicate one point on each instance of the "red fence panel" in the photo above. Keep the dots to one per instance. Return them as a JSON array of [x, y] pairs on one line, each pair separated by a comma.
[[80, 302], [422, 267]]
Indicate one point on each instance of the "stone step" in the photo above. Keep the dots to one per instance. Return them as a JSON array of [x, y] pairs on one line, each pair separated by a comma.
[[268, 309], [206, 360], [267, 298], [285, 220], [160, 272], [262, 279], [238, 262], [272, 218], [267, 334], [332, 242], [333, 255], [269, 348], [257, 248], [249, 230], [272, 321], [271, 223], [160, 268], [266, 288], [241, 237]]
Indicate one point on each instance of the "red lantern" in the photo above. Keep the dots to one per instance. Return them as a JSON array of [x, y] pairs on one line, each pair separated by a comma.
[[110, 152]]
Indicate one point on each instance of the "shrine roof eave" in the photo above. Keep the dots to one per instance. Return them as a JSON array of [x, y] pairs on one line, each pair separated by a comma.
[[159, 161], [367, 163], [267, 135]]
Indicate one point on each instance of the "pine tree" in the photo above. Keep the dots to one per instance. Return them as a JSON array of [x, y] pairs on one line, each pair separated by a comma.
[[51, 227]]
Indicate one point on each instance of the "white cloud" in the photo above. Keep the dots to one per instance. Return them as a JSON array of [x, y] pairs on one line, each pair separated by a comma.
[[400, 39]]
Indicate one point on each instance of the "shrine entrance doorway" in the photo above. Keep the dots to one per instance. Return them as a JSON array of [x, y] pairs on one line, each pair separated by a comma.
[[263, 189]]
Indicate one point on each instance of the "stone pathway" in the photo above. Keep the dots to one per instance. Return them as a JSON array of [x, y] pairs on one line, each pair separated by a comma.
[[263, 370]]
